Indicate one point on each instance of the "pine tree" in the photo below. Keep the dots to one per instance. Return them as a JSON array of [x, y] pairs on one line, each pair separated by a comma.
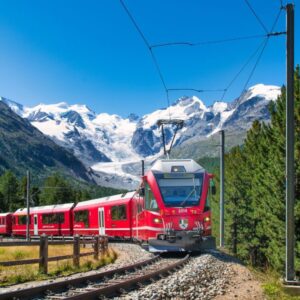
[[9, 188], [56, 190]]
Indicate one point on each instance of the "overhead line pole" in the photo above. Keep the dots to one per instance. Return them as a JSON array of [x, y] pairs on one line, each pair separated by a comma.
[[290, 141], [222, 152], [27, 205]]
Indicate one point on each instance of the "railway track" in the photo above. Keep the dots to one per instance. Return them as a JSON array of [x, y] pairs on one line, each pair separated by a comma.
[[108, 283]]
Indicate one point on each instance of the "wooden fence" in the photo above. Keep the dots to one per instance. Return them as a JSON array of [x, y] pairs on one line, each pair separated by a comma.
[[100, 245]]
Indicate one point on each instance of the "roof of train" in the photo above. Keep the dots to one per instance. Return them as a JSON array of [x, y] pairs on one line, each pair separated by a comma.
[[122, 197], [46, 208], [5, 214], [168, 165]]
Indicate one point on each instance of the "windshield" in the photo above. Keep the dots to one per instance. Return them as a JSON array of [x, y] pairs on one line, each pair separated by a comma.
[[183, 190]]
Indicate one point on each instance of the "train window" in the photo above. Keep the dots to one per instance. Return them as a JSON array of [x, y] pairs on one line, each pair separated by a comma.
[[150, 201], [53, 218], [82, 216], [118, 212], [22, 220], [181, 191]]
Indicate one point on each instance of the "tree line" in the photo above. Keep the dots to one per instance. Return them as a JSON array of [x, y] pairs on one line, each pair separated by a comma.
[[55, 189], [255, 189]]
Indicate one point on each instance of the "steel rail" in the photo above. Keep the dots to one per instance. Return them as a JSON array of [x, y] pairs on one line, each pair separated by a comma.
[[28, 293], [125, 284]]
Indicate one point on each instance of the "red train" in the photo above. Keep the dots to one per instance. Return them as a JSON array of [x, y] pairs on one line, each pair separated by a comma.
[[170, 211], [50, 219], [6, 224]]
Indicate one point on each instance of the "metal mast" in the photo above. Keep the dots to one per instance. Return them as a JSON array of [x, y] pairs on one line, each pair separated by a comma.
[[290, 159]]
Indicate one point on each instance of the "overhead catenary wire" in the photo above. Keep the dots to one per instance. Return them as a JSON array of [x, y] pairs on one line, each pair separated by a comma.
[[209, 42], [242, 68], [154, 59], [262, 51], [261, 47], [256, 16], [196, 90]]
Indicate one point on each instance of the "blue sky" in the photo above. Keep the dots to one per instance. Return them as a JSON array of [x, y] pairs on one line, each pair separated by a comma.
[[89, 52]]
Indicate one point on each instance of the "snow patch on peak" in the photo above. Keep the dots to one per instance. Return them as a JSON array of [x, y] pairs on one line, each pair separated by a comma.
[[201, 104], [14, 106], [219, 107], [269, 92]]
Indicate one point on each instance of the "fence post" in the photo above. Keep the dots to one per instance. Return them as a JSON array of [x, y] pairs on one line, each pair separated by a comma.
[[76, 251], [102, 245], [43, 265], [96, 247], [106, 243]]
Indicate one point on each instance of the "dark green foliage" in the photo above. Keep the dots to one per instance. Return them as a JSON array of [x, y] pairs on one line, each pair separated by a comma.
[[10, 195], [55, 190], [209, 163], [255, 190]]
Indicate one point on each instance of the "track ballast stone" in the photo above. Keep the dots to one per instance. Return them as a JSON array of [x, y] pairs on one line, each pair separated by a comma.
[[203, 277]]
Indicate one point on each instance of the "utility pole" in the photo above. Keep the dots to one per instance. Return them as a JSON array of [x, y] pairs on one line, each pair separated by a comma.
[[222, 151], [28, 207], [143, 168], [290, 137]]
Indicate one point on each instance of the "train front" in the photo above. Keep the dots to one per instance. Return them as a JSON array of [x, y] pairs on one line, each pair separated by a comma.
[[182, 190]]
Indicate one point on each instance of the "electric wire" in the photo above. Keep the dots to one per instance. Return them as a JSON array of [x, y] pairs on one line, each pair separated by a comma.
[[196, 90], [221, 41], [262, 51], [256, 16], [135, 23], [242, 69], [261, 47], [154, 59]]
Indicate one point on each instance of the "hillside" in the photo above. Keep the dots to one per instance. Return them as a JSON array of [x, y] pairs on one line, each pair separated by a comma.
[[24, 147]]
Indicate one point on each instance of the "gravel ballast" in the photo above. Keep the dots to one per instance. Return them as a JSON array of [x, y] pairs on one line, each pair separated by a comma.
[[203, 277]]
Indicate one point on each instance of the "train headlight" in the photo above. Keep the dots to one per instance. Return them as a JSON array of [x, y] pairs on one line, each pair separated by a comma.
[[157, 220], [206, 219]]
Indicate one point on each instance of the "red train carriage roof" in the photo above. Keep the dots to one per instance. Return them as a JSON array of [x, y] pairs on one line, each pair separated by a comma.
[[176, 165], [94, 202], [5, 214], [46, 209]]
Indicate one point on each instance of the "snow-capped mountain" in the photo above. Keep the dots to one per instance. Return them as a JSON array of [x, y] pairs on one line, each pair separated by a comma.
[[105, 142]]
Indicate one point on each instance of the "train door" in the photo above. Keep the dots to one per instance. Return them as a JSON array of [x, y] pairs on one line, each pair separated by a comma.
[[101, 221], [35, 225]]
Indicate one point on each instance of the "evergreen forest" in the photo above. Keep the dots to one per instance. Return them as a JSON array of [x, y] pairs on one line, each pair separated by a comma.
[[255, 190], [55, 189]]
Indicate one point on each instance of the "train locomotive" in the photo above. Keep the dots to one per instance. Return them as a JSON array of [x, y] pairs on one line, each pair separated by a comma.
[[176, 199]]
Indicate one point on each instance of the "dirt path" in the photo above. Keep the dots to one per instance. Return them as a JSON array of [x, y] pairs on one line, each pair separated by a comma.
[[242, 285]]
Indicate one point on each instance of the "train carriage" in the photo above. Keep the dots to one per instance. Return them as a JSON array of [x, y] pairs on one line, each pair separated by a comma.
[[5, 224], [109, 215], [51, 219]]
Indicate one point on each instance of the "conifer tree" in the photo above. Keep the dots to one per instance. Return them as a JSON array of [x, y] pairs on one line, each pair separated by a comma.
[[56, 190]]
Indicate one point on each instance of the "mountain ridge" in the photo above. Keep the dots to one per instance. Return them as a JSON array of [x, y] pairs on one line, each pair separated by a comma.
[[99, 139], [24, 147]]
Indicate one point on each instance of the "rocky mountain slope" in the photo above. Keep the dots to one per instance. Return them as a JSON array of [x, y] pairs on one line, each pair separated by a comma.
[[112, 145], [24, 147]]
